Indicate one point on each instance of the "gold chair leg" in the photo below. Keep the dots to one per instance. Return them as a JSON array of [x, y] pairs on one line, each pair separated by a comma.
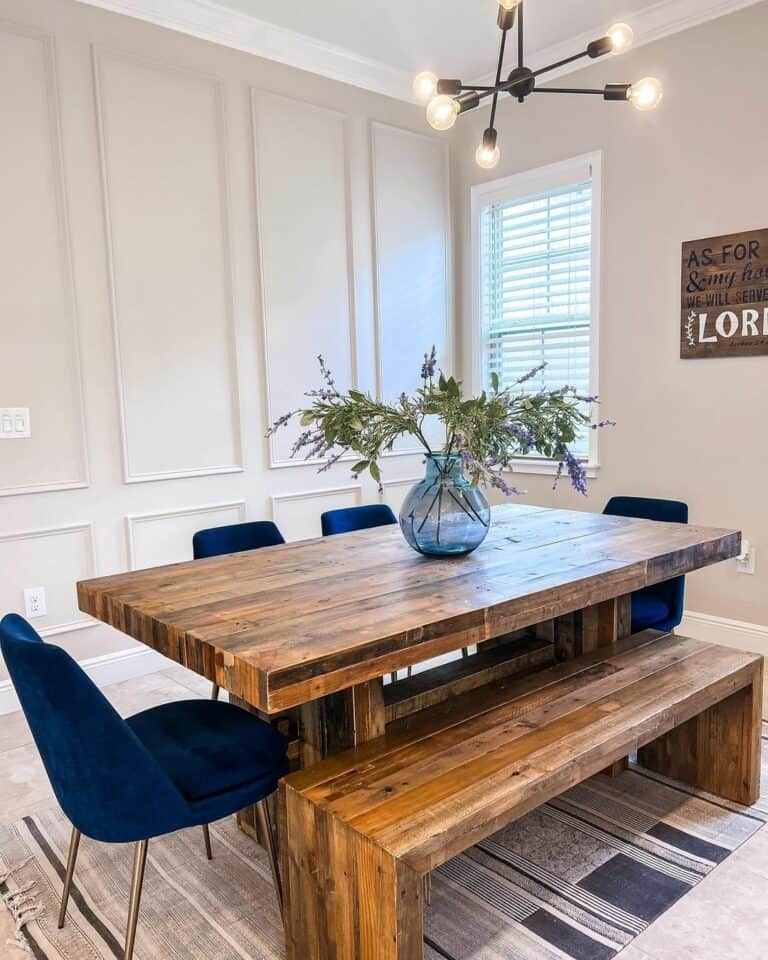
[[139, 863], [207, 841], [215, 692], [264, 820], [74, 845]]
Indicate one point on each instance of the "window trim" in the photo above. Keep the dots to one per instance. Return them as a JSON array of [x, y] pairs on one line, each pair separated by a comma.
[[526, 183]]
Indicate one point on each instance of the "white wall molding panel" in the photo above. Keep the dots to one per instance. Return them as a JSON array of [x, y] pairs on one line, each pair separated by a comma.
[[298, 514], [51, 558], [165, 179], [306, 254], [412, 243], [40, 341], [165, 536]]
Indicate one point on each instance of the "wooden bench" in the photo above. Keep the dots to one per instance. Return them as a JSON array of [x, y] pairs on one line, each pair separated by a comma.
[[364, 827]]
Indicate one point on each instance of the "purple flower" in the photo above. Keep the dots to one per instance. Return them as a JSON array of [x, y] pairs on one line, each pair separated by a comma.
[[531, 373], [500, 483], [576, 472], [521, 435], [429, 365], [603, 423]]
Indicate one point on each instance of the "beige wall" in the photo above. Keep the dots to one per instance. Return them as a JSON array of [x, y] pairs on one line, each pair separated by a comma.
[[694, 168], [184, 228]]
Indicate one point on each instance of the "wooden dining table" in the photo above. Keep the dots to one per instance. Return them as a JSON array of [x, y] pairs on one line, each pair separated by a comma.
[[317, 624]]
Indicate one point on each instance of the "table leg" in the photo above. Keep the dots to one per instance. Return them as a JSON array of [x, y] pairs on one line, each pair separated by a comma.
[[588, 630], [341, 720]]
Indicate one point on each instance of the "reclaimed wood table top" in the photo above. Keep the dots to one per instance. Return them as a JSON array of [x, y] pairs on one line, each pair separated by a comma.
[[284, 625]]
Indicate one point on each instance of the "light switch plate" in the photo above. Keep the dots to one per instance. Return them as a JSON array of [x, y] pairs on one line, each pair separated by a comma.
[[15, 423], [34, 602]]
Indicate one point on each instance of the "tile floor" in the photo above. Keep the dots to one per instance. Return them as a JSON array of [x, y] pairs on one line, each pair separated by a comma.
[[724, 918]]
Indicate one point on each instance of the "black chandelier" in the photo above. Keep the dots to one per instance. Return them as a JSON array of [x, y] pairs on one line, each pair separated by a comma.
[[447, 99]]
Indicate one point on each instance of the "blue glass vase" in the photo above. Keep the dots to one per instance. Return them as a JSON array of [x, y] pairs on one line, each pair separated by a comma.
[[444, 515]]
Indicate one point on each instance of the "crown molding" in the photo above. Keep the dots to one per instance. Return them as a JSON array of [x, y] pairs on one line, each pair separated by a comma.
[[216, 23]]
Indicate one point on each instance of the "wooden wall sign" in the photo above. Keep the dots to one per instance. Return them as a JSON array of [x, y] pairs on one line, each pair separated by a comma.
[[724, 309]]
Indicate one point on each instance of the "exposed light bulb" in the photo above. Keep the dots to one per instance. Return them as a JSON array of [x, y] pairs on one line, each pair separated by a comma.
[[425, 86], [509, 4], [646, 94], [442, 112], [487, 157], [621, 35]]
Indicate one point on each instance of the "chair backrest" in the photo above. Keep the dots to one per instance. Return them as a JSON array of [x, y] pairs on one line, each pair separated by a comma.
[[236, 538], [672, 592], [648, 508], [356, 518], [107, 783]]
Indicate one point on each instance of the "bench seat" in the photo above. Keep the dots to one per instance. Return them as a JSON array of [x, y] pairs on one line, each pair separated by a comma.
[[364, 827]]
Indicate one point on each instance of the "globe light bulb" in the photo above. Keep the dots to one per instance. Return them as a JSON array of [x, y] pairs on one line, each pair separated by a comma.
[[646, 94], [487, 157], [621, 36], [425, 86], [442, 112], [509, 4]]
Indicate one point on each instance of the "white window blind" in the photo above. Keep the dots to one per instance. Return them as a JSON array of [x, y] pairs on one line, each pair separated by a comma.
[[536, 289]]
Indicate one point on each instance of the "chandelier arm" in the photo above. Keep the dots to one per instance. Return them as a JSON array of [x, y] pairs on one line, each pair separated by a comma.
[[520, 48], [561, 63], [499, 68], [600, 93], [478, 88]]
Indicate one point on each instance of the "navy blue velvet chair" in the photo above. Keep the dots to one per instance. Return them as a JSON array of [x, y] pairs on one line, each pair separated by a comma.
[[659, 606], [235, 538], [356, 518], [179, 765]]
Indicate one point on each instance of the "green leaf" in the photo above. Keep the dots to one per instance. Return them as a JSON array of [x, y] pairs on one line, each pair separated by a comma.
[[307, 418], [495, 382], [375, 472], [360, 467]]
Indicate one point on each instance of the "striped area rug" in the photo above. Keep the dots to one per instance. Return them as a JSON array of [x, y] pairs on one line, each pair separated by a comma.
[[578, 878]]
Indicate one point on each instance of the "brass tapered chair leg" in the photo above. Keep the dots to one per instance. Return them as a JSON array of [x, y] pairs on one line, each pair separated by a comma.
[[207, 840], [139, 863], [264, 820], [215, 692], [74, 845]]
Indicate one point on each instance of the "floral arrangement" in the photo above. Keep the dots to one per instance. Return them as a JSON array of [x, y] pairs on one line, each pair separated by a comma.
[[487, 431]]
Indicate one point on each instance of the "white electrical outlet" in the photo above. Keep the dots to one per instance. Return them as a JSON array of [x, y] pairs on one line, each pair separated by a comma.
[[15, 423], [34, 602], [745, 562]]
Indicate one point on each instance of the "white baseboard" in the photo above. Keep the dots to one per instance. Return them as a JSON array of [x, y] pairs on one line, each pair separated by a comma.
[[729, 633], [109, 668]]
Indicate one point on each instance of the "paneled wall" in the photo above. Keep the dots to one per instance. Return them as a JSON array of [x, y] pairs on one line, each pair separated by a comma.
[[184, 228]]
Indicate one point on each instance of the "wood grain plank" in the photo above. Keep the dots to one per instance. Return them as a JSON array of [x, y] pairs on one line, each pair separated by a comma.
[[286, 625]]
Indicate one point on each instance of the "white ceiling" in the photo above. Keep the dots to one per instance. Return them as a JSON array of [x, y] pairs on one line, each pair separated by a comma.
[[455, 38], [380, 44]]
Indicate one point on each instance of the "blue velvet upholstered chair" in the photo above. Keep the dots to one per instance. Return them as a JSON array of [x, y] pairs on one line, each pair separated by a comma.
[[126, 781], [661, 606], [356, 518], [235, 538]]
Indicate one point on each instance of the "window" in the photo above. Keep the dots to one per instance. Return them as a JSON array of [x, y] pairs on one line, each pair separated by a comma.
[[535, 279]]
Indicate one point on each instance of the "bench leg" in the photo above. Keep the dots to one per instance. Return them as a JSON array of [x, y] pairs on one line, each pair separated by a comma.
[[717, 751], [345, 897]]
